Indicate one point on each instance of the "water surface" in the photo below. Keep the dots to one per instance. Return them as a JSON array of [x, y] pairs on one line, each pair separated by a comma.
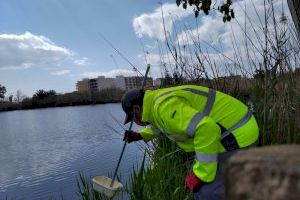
[[42, 151]]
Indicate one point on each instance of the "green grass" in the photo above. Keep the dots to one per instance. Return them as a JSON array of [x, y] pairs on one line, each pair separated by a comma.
[[163, 177], [162, 172], [85, 189], [160, 175]]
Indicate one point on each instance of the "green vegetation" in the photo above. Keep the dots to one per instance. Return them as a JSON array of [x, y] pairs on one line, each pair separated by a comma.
[[43, 99], [42, 94], [2, 91], [261, 69], [85, 189], [205, 5], [163, 177], [263, 73], [160, 176]]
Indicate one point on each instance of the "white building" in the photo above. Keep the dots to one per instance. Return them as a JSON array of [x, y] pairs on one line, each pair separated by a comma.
[[105, 83], [121, 82]]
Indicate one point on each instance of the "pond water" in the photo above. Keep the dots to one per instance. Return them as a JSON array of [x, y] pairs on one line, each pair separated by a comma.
[[43, 150]]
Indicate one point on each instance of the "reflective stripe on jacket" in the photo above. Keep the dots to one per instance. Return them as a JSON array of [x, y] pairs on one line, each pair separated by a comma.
[[191, 116]]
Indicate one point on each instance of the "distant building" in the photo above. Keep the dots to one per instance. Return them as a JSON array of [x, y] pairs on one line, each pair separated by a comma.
[[93, 85], [83, 86], [157, 82], [294, 6], [121, 82], [133, 82], [104, 83]]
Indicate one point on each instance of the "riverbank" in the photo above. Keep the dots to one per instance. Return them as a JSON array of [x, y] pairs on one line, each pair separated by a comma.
[[112, 95]]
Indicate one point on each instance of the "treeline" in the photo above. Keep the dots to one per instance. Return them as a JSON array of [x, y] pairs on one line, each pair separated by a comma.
[[44, 99]]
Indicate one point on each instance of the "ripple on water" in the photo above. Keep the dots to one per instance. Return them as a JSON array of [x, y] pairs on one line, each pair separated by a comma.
[[42, 154]]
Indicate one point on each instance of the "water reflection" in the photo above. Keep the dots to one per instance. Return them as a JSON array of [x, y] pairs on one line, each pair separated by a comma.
[[42, 151]]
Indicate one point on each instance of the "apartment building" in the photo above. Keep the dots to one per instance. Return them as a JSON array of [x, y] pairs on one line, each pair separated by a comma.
[[104, 83], [133, 82], [121, 82], [294, 6], [93, 85], [83, 86]]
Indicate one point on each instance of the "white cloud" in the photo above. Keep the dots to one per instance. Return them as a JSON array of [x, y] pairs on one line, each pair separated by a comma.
[[28, 50], [81, 62], [112, 73], [151, 24], [157, 59], [222, 44], [61, 72], [212, 29], [238, 31], [154, 46], [209, 30]]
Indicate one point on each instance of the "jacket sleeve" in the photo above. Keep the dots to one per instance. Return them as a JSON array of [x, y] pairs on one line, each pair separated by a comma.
[[149, 133], [175, 115], [206, 143]]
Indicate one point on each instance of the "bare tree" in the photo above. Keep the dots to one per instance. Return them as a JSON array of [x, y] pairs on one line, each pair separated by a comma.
[[19, 96], [262, 66]]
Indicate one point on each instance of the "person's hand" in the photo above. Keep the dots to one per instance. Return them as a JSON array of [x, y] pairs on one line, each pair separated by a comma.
[[193, 183], [132, 136]]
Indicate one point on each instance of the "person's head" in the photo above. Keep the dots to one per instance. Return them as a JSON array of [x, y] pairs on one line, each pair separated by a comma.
[[132, 104]]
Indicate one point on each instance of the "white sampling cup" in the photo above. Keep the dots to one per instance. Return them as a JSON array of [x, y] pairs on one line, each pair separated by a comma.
[[102, 185]]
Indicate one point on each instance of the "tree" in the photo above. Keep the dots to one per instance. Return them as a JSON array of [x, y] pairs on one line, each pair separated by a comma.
[[19, 96], [40, 94], [2, 91], [10, 98], [204, 5], [51, 93]]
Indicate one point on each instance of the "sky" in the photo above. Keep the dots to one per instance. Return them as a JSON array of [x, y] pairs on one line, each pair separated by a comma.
[[51, 44]]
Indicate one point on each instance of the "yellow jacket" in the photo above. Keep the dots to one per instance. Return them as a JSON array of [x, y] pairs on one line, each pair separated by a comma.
[[199, 119]]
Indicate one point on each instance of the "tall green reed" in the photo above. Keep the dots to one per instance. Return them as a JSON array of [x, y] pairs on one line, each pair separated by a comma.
[[163, 176], [262, 67]]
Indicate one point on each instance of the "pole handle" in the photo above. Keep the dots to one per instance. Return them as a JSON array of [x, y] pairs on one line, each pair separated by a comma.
[[130, 127]]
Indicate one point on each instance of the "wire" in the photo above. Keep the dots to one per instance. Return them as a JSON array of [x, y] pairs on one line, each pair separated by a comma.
[[110, 44]]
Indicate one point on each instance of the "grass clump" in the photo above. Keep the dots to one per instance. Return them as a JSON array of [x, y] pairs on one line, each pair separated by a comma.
[[160, 175], [163, 176], [85, 189]]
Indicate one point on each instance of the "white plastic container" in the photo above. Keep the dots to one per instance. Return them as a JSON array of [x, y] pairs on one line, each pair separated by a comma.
[[102, 185]]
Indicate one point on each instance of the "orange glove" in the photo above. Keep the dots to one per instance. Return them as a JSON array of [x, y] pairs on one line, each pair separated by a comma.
[[193, 183], [132, 136]]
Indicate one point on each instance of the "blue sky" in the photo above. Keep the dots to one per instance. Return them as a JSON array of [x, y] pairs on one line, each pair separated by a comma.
[[51, 44], [75, 25]]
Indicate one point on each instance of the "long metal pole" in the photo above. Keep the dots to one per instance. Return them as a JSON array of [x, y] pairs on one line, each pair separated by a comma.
[[130, 127], [119, 52]]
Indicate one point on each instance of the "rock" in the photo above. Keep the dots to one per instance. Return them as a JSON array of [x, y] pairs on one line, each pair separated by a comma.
[[265, 173]]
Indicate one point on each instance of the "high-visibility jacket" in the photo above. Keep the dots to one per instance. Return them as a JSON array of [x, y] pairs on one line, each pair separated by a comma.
[[199, 119]]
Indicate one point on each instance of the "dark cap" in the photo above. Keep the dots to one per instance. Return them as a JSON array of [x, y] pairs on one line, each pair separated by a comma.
[[129, 99]]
